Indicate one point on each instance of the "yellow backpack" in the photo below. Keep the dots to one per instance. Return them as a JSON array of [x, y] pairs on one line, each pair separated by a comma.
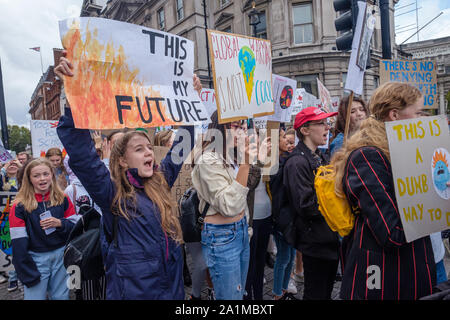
[[335, 209]]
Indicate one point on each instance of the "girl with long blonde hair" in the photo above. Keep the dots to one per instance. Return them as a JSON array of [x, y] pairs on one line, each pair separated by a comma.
[[41, 220], [143, 258], [364, 177]]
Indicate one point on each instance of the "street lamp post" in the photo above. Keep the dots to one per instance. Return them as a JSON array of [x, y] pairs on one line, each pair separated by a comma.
[[254, 18]]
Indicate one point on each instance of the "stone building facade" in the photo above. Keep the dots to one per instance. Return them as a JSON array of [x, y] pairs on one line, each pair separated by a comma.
[[45, 101], [302, 34], [439, 51]]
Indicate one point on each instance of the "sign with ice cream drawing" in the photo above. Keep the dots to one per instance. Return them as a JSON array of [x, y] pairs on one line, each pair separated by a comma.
[[419, 150], [242, 71], [126, 75]]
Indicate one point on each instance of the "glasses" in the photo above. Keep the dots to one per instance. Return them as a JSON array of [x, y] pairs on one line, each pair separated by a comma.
[[321, 123]]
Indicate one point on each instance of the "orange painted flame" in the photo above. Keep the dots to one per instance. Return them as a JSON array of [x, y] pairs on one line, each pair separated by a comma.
[[438, 156], [101, 73]]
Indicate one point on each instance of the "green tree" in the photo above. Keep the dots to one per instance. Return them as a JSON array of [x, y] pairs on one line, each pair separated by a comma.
[[19, 138]]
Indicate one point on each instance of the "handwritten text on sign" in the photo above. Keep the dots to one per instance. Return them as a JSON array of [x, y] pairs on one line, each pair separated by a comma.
[[242, 69], [419, 73], [420, 159], [126, 75], [44, 137], [6, 199]]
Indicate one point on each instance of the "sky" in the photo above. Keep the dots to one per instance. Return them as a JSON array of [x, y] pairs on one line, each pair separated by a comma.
[[34, 23]]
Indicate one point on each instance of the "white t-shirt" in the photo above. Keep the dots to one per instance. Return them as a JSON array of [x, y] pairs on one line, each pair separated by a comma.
[[262, 206], [82, 196]]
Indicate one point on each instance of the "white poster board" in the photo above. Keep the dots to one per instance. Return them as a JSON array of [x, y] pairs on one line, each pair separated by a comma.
[[242, 70], [44, 137], [283, 92], [420, 159], [127, 75], [324, 96]]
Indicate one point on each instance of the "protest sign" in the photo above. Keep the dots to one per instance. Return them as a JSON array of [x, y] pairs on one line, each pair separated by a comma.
[[365, 25], [126, 75], [283, 93], [304, 100], [419, 73], [242, 70], [184, 180], [5, 156], [208, 97], [324, 95], [420, 158], [44, 137], [6, 199]]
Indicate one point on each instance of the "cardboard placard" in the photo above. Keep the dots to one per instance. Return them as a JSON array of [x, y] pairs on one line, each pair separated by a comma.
[[126, 75], [420, 159], [184, 180], [242, 71], [44, 137], [419, 73]]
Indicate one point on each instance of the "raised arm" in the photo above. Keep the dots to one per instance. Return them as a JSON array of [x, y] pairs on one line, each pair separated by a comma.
[[85, 162]]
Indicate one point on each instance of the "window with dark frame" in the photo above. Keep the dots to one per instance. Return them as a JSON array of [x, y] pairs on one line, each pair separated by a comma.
[[161, 19], [309, 83], [303, 26], [261, 27], [223, 3], [180, 9]]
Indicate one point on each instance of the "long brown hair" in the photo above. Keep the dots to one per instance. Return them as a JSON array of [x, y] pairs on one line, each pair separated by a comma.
[[56, 152], [391, 95], [342, 113], [155, 187], [162, 138], [26, 197]]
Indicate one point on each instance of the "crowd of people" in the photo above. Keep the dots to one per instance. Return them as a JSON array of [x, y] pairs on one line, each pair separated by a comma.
[[248, 213]]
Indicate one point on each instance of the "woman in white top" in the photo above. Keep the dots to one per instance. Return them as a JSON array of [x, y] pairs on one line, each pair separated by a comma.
[[221, 181]]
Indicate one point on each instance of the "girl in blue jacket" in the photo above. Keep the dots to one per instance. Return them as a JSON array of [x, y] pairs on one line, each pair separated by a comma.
[[144, 258]]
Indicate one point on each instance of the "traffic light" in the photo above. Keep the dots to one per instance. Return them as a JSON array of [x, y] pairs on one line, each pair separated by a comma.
[[345, 23]]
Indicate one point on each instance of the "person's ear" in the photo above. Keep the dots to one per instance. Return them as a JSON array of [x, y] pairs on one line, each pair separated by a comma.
[[393, 115], [123, 163], [304, 131]]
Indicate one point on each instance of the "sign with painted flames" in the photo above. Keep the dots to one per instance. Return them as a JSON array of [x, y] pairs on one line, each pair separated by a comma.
[[126, 75], [242, 70]]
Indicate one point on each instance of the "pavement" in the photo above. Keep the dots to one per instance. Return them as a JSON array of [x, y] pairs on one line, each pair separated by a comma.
[[18, 294]]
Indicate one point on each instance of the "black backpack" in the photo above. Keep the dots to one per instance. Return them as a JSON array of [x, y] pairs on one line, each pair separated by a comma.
[[190, 219], [83, 247]]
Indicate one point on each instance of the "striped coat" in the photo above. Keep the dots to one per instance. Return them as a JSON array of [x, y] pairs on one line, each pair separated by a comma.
[[407, 270]]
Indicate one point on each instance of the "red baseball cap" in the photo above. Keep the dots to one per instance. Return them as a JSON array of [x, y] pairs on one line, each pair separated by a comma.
[[311, 114]]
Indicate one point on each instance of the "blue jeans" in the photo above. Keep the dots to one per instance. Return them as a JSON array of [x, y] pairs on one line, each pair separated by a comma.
[[283, 264], [226, 249], [53, 277], [12, 274], [441, 274]]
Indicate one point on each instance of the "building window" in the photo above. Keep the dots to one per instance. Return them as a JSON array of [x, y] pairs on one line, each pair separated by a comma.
[[227, 29], [303, 23], [161, 19], [180, 9], [223, 3], [309, 83], [261, 27]]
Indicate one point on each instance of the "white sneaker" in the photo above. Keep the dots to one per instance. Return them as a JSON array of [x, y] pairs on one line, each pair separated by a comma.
[[3, 279], [292, 288]]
